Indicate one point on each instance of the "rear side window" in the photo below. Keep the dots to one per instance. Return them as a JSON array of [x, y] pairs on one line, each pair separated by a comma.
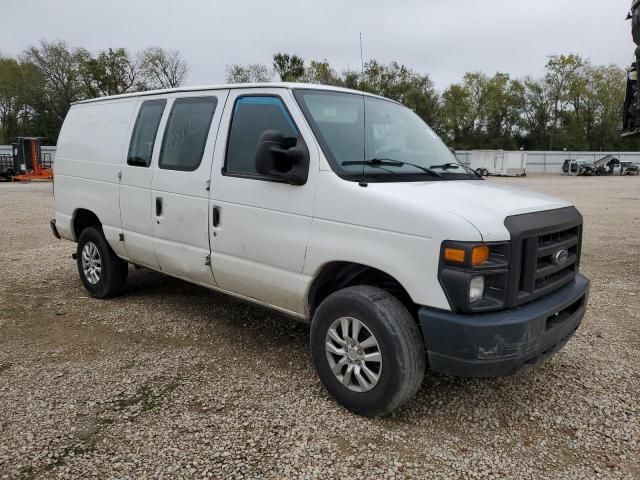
[[144, 133], [186, 133], [252, 116]]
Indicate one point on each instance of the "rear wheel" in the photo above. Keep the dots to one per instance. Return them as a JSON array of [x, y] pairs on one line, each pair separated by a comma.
[[103, 274], [367, 350]]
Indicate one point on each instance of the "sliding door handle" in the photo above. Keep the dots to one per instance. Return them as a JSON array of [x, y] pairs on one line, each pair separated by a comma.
[[216, 216], [158, 206]]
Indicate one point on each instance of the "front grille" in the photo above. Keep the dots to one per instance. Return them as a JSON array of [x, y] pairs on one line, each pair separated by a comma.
[[545, 253], [548, 273]]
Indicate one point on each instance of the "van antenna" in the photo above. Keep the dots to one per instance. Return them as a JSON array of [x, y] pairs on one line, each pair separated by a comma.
[[361, 64], [363, 183]]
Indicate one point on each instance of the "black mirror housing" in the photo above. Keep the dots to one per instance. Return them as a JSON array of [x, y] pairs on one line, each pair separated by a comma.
[[282, 158]]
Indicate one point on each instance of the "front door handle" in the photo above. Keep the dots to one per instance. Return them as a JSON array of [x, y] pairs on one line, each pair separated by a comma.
[[158, 206], [216, 216]]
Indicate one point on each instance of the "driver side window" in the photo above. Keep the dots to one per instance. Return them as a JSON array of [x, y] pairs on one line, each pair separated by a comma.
[[252, 116]]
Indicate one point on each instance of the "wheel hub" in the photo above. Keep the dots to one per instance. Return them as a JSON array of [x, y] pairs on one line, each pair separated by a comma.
[[353, 354], [91, 263]]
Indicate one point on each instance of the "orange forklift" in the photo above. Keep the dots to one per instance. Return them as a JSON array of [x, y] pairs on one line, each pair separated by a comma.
[[28, 161]]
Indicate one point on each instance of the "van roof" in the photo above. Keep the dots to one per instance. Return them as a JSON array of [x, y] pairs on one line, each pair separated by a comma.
[[204, 88]]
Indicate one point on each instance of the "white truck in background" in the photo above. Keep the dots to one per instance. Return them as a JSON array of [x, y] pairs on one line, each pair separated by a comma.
[[498, 163]]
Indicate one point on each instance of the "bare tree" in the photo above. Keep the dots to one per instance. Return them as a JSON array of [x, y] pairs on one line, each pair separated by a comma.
[[60, 68], [163, 68], [248, 73]]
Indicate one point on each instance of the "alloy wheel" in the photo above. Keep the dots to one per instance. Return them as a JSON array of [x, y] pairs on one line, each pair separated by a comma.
[[354, 354]]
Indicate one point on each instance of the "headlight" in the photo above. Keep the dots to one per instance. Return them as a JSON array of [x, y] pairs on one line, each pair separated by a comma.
[[476, 289], [474, 275]]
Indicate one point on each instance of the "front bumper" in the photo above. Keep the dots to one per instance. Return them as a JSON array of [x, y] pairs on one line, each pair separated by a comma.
[[507, 342]]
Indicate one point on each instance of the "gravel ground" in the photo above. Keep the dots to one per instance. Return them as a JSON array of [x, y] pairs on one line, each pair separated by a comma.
[[174, 381]]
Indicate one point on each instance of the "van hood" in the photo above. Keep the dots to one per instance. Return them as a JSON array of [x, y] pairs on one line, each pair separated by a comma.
[[484, 204]]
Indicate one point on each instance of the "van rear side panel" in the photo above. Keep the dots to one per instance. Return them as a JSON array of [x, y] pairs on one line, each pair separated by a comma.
[[91, 148]]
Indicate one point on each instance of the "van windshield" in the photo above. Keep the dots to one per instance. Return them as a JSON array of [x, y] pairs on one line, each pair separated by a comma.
[[375, 139]]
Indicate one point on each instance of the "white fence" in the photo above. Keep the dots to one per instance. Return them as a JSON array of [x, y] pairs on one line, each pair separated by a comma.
[[537, 162], [551, 162]]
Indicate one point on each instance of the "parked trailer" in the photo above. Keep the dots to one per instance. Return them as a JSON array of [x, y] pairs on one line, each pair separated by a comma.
[[7, 167], [498, 162], [29, 162]]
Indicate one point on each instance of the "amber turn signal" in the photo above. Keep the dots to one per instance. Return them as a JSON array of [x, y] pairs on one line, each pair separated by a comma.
[[479, 255], [454, 255]]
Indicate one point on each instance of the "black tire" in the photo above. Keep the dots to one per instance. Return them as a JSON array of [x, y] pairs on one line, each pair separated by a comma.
[[485, 172], [114, 271], [400, 344]]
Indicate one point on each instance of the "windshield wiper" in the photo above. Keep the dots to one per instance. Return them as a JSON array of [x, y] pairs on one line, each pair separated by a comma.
[[449, 165], [389, 162]]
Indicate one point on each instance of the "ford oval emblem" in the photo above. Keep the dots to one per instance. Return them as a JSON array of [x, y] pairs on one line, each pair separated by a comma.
[[561, 256]]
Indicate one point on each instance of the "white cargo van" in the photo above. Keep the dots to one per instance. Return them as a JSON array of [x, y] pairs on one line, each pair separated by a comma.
[[338, 208]]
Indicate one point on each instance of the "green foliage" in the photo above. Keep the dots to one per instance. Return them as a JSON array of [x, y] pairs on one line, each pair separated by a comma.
[[38, 88], [290, 68], [109, 73], [575, 105], [400, 83], [483, 111], [12, 96], [248, 73], [321, 72]]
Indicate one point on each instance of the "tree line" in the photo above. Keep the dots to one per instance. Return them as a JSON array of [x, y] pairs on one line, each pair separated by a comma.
[[574, 105], [38, 87]]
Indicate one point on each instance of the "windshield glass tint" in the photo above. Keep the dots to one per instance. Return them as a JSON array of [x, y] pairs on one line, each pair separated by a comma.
[[362, 134]]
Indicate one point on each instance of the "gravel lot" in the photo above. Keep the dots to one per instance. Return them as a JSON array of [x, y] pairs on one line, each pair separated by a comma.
[[174, 381]]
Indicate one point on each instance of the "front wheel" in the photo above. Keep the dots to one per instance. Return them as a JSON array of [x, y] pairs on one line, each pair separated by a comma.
[[367, 350], [103, 274]]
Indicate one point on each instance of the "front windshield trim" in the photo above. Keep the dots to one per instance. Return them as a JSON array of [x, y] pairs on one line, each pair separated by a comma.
[[364, 176]]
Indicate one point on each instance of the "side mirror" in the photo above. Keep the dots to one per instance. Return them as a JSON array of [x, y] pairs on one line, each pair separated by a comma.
[[283, 158]]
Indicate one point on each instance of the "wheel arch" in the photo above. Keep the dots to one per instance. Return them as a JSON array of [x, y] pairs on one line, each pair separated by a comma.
[[84, 218], [336, 275]]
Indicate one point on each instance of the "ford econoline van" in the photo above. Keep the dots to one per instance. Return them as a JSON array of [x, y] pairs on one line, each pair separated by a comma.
[[336, 207]]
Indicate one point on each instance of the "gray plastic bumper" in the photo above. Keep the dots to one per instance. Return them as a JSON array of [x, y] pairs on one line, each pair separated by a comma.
[[506, 342]]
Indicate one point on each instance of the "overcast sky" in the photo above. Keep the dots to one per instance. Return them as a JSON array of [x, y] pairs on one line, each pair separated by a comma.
[[443, 38]]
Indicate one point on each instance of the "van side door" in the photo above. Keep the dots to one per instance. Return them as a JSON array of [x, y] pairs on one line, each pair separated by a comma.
[[260, 226], [181, 184], [135, 183]]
